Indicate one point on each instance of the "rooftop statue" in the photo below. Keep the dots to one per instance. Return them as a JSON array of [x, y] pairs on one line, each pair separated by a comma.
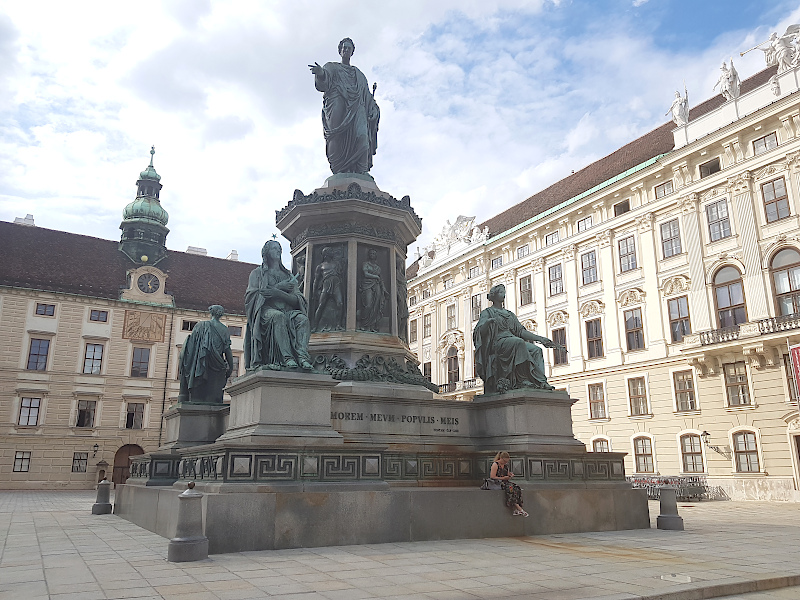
[[206, 361], [349, 113], [680, 108], [506, 357], [728, 82], [277, 316], [780, 50]]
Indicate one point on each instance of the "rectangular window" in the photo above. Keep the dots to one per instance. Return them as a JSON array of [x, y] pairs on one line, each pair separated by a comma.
[[412, 331], [664, 189], [426, 294], [719, 225], [412, 300], [622, 207], [670, 238], [627, 254], [525, 291], [37, 356], [47, 310], [93, 359], [474, 272], [643, 452], [188, 325], [764, 144], [585, 223], [135, 415], [451, 316], [634, 329], [234, 367], [426, 326], [29, 412], [776, 202], [497, 262], [594, 338], [79, 462], [448, 283], [426, 370], [589, 267], [523, 251], [637, 394], [551, 238], [736, 383], [790, 382], [235, 330], [709, 168], [684, 390], [476, 307], [692, 452], [140, 363], [86, 410], [597, 402], [746, 451], [600, 446], [99, 315], [679, 324], [22, 462], [559, 336], [556, 280]]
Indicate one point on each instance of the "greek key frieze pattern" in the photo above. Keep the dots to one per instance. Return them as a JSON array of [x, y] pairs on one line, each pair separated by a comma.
[[326, 466]]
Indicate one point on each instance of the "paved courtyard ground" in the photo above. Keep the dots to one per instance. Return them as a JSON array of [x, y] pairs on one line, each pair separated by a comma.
[[52, 547]]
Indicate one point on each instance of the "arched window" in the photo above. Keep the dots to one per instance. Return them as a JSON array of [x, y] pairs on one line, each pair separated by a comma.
[[452, 365], [745, 450], [643, 454], [600, 445], [692, 453], [786, 279], [729, 296]]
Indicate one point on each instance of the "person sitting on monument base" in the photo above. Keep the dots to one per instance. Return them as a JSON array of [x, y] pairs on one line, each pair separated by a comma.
[[277, 316], [503, 474], [206, 361], [505, 356]]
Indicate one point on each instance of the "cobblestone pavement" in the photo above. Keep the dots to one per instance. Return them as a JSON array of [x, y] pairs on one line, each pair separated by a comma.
[[52, 547]]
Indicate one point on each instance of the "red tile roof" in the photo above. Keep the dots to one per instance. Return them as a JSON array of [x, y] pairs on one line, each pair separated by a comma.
[[57, 261], [659, 141]]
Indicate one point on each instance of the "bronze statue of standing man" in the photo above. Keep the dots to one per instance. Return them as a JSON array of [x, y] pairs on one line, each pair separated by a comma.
[[206, 361], [350, 114]]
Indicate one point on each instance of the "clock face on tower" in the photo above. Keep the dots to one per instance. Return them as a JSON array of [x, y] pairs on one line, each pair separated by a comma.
[[148, 283]]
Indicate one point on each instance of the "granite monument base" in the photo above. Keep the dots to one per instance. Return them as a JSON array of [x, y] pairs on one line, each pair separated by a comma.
[[190, 424], [283, 408], [272, 520]]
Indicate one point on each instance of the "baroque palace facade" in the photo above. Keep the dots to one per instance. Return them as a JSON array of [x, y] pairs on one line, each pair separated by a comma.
[[92, 331], [670, 271]]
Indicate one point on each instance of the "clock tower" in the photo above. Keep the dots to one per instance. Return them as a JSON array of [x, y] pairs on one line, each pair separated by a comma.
[[144, 221]]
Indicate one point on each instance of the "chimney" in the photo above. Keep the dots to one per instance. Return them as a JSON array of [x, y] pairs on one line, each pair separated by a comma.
[[196, 250], [234, 255], [27, 221]]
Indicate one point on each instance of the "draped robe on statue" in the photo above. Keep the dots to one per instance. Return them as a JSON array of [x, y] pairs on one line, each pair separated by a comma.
[[276, 332], [203, 368], [503, 350], [349, 118]]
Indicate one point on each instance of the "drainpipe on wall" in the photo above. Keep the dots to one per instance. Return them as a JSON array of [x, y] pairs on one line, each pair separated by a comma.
[[166, 376]]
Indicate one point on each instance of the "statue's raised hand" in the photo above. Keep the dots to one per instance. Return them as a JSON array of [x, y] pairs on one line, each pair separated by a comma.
[[316, 69]]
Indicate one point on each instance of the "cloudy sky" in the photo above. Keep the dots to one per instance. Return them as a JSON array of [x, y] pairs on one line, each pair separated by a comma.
[[483, 102]]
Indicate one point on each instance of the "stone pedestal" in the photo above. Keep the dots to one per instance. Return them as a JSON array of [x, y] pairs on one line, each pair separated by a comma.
[[525, 420], [102, 504], [189, 424], [283, 409], [351, 223], [189, 543]]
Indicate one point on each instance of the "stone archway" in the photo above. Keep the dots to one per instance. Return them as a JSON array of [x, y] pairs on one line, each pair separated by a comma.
[[122, 462]]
